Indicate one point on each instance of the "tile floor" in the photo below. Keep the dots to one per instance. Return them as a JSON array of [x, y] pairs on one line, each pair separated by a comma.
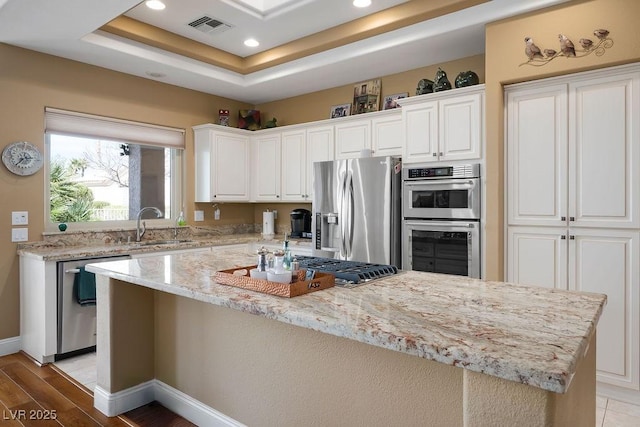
[[609, 412]]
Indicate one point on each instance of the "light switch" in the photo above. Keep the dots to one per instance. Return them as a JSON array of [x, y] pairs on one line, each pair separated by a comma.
[[198, 216], [20, 218], [19, 234]]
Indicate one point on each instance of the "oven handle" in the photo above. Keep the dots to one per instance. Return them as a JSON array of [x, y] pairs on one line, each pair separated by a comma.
[[456, 183], [441, 225]]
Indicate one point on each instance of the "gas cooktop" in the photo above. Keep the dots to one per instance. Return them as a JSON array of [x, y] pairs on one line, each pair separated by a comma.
[[348, 273]]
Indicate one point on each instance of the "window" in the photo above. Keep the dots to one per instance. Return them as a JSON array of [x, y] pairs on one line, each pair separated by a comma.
[[102, 171]]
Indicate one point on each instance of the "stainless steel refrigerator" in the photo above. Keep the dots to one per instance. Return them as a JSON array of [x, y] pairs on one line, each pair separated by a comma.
[[357, 210]]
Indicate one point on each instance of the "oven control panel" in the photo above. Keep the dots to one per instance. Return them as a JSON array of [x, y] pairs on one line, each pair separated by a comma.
[[455, 171]]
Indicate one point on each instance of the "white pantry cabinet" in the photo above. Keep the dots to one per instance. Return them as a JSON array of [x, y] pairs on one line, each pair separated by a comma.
[[573, 202], [222, 157], [266, 172], [572, 153], [443, 126]]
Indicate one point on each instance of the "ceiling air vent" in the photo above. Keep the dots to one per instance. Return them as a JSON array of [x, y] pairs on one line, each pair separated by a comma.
[[209, 25]]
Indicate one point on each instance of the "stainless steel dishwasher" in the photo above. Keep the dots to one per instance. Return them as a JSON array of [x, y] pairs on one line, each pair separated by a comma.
[[76, 322]]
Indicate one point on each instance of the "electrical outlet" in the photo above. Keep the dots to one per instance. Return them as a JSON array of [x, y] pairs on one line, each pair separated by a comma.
[[198, 216], [19, 218], [275, 214], [19, 234], [216, 214]]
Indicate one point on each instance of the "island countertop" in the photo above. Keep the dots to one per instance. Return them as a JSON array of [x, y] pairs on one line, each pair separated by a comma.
[[530, 335]]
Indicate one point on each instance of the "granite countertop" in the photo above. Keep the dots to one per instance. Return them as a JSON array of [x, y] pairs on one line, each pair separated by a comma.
[[61, 252], [530, 335]]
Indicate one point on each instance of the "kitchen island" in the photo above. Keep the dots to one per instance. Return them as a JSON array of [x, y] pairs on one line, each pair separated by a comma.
[[411, 349]]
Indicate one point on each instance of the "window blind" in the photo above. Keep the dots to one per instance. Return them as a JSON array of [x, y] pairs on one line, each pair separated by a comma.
[[100, 127]]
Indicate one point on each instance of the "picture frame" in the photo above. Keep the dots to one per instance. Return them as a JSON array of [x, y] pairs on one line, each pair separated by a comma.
[[366, 97], [389, 101], [341, 110]]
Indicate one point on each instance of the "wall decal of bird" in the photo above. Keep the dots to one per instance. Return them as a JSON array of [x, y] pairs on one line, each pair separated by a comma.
[[566, 46], [601, 33], [531, 50], [537, 57], [586, 43]]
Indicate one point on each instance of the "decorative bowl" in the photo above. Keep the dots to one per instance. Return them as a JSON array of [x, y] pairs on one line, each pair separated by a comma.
[[281, 277]]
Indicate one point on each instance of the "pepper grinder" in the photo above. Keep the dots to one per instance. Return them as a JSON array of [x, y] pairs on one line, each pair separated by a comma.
[[262, 259]]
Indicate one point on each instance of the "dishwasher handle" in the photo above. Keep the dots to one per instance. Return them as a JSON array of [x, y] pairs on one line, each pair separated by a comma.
[[72, 271]]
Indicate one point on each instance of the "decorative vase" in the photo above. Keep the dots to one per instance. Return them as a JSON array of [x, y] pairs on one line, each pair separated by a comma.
[[467, 78], [442, 82]]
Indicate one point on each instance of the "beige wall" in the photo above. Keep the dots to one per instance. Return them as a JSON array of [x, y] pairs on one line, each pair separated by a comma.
[[317, 105], [31, 81], [505, 53]]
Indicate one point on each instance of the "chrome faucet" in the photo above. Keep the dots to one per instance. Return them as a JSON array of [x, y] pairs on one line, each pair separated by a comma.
[[140, 232]]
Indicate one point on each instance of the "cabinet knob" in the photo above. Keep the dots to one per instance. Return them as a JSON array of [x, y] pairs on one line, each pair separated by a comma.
[[214, 196], [563, 218], [563, 237], [277, 196], [435, 154], [572, 218], [441, 153], [572, 237]]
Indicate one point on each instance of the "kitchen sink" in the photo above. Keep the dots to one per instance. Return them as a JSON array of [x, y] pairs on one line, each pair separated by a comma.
[[163, 242]]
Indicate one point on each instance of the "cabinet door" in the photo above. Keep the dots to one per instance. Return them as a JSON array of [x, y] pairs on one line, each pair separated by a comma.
[[605, 151], [231, 171], [607, 262], [537, 156], [294, 166], [320, 148], [420, 133], [460, 127], [352, 137], [204, 165], [537, 256], [267, 168], [387, 135]]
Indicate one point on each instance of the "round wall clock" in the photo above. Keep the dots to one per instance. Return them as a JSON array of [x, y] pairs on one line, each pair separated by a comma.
[[22, 158]]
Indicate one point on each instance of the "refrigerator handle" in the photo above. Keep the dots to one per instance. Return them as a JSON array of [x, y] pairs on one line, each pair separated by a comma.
[[343, 217], [350, 213]]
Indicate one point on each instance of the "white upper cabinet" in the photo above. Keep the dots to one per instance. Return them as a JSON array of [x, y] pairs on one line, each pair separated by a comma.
[[319, 148], [444, 126], [267, 167], [221, 164], [352, 136], [573, 154], [294, 168], [386, 133]]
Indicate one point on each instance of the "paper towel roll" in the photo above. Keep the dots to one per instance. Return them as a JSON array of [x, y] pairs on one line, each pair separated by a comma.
[[267, 224]]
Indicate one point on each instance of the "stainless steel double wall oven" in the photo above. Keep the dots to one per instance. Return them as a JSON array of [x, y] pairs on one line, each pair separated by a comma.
[[441, 219]]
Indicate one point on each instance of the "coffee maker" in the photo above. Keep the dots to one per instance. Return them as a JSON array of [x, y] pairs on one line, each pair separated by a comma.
[[301, 223]]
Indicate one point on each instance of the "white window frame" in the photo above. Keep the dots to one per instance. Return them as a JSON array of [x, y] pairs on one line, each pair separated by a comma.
[[71, 123]]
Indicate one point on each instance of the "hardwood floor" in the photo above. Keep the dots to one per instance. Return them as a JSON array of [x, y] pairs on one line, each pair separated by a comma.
[[31, 395]]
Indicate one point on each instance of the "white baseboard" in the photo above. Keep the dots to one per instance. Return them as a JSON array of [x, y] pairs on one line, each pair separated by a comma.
[[191, 409], [171, 398], [112, 404], [10, 346]]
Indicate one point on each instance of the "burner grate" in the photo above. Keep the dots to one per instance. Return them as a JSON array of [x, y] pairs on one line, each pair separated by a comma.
[[351, 272]]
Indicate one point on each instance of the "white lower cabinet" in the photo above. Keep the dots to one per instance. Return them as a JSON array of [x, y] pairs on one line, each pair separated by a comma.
[[592, 260]]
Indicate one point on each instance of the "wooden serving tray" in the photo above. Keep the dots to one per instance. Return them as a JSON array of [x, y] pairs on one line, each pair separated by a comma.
[[300, 287]]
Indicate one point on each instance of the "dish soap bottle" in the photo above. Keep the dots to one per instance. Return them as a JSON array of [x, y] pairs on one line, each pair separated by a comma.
[[287, 253], [181, 221]]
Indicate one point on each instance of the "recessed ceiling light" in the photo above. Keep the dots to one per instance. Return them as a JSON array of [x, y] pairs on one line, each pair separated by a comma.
[[362, 3], [251, 43], [155, 4]]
